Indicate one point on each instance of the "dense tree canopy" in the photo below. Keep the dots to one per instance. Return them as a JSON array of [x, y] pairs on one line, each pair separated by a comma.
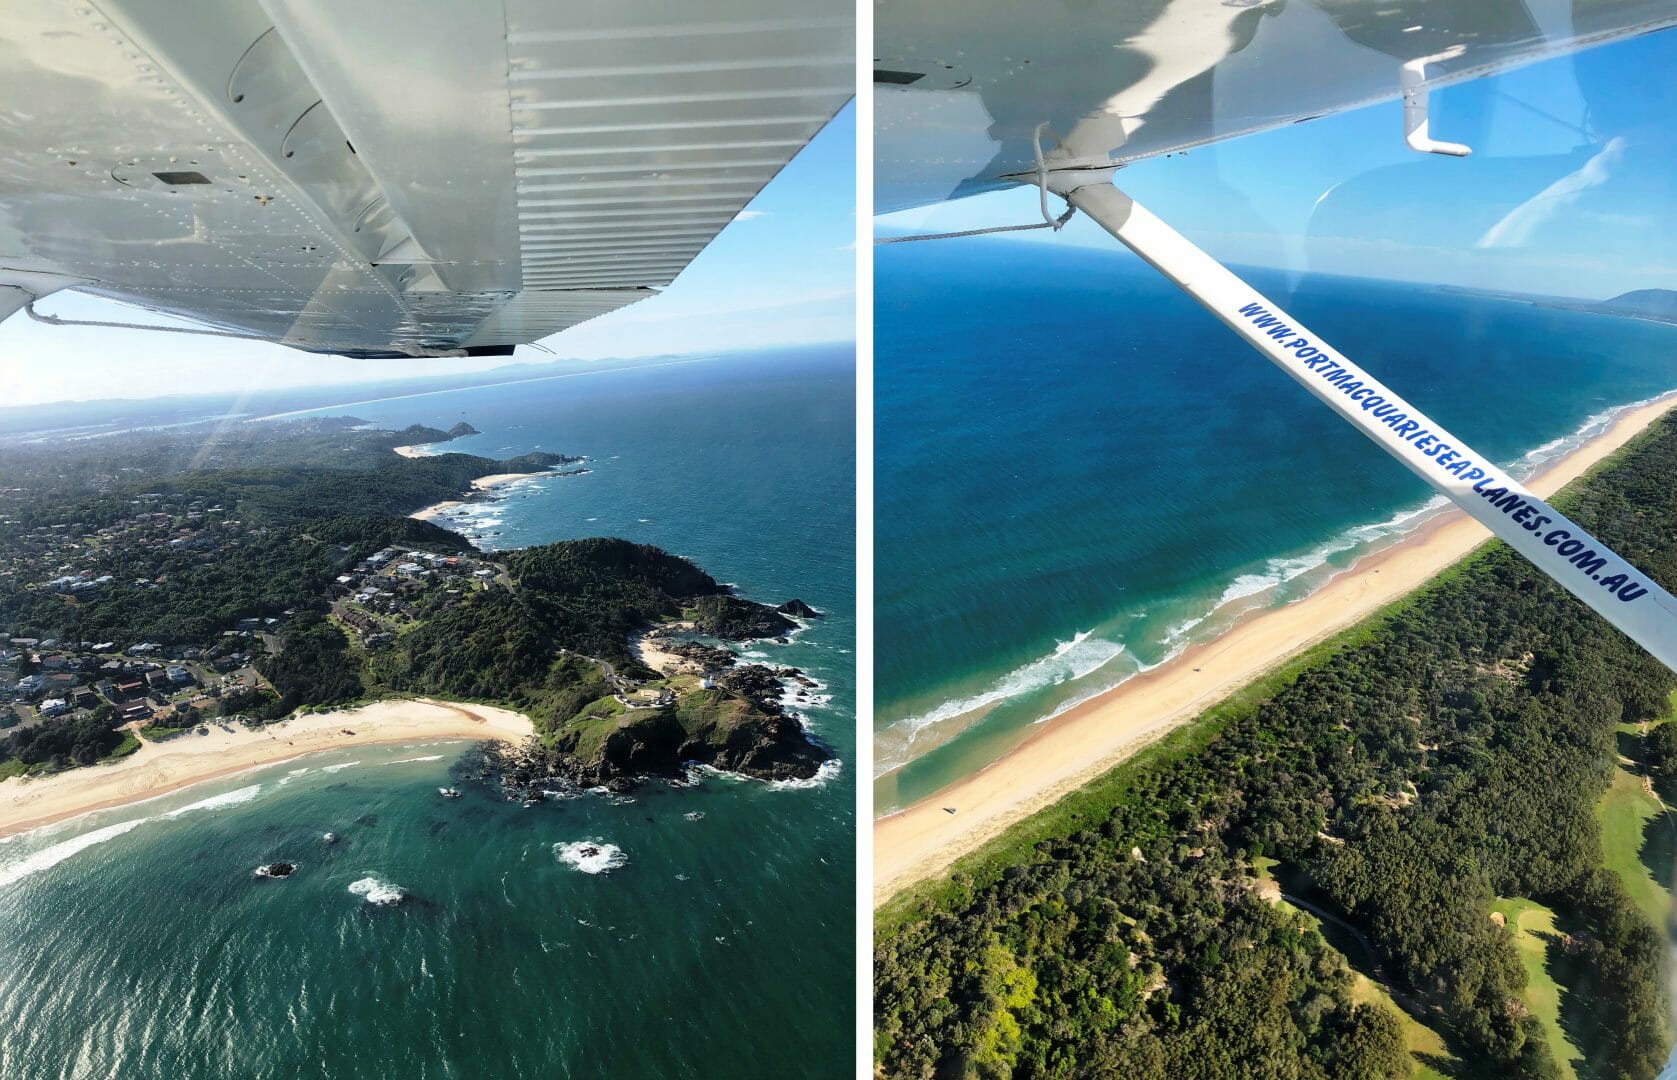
[[1452, 754]]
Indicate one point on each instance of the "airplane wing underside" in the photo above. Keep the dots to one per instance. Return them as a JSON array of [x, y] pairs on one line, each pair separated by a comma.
[[394, 178], [962, 87]]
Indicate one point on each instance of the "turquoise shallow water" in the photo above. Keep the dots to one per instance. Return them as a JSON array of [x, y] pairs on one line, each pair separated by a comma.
[[1079, 472], [722, 946]]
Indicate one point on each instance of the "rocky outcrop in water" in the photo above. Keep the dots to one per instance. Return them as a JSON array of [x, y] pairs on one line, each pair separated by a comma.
[[709, 657], [735, 619], [738, 727]]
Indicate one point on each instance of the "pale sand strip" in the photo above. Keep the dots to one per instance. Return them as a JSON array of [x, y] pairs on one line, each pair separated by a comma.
[[648, 651], [485, 483], [482, 483], [1069, 751], [158, 768], [409, 451]]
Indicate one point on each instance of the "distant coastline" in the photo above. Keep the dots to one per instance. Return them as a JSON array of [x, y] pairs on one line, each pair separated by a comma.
[[1073, 748], [222, 749]]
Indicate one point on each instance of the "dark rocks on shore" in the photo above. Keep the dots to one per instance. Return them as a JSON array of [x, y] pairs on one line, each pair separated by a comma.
[[709, 657], [762, 686], [276, 870], [739, 727], [798, 609], [734, 619]]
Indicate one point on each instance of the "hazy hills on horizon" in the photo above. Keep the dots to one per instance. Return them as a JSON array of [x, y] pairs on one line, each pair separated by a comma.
[[88, 416]]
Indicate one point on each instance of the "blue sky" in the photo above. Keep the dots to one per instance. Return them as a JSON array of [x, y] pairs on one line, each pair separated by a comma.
[[782, 273], [1569, 190]]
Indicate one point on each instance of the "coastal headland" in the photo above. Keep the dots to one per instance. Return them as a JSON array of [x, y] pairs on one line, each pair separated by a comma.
[[279, 591], [1070, 750]]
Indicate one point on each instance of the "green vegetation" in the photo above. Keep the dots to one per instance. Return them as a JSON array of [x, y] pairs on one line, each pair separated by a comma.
[[1429, 1057], [1625, 812], [64, 742], [1533, 927], [127, 746], [237, 547], [1447, 753]]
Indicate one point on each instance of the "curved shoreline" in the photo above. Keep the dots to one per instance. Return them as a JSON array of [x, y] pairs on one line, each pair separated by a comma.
[[1067, 751], [481, 483], [160, 768]]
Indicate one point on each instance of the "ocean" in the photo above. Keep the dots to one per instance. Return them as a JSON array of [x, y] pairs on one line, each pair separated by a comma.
[[680, 932], [1079, 473]]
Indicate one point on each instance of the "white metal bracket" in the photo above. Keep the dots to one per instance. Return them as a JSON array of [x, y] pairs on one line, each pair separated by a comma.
[[1413, 80]]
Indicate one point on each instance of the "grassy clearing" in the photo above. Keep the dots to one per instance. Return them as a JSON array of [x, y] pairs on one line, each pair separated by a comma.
[[1424, 1044], [1624, 813], [1533, 927]]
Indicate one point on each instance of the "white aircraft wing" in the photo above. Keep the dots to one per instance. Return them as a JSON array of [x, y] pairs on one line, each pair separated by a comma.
[[385, 178], [961, 87], [985, 94]]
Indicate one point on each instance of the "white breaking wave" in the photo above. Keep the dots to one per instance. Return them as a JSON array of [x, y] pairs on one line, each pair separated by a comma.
[[1248, 585], [1276, 572], [51, 856], [829, 770], [376, 891], [428, 757], [1074, 659], [1589, 429], [339, 767], [219, 802], [1283, 569], [290, 776], [590, 856]]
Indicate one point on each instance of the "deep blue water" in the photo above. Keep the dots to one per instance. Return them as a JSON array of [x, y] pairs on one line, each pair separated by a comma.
[[723, 946], [1079, 471]]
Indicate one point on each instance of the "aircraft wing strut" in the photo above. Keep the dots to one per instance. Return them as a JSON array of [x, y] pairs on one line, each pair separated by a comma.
[[1556, 545]]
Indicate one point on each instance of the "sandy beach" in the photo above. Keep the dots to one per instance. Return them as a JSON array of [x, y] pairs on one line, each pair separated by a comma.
[[488, 483], [1067, 752], [648, 649], [409, 451], [482, 483], [158, 768]]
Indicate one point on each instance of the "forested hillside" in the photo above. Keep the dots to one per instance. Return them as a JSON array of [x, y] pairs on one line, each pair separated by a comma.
[[1402, 779], [278, 559]]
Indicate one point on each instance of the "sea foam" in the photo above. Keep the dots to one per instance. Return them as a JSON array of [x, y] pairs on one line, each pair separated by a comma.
[[1082, 655], [590, 856], [377, 891], [828, 770], [219, 802], [51, 856]]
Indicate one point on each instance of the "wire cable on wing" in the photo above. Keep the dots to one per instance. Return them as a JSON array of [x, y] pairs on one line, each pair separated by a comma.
[[1049, 221]]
